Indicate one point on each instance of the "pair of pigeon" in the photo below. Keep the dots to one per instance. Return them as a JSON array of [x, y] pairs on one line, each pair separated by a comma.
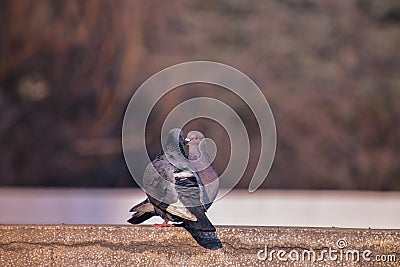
[[179, 187]]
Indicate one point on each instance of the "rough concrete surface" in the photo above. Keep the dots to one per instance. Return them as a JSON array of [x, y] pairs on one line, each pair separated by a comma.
[[107, 245]]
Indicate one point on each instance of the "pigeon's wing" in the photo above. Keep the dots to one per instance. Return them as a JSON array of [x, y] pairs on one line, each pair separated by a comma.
[[188, 188], [159, 183], [189, 193]]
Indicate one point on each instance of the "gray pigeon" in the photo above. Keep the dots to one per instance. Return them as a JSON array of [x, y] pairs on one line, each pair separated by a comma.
[[198, 154], [173, 191]]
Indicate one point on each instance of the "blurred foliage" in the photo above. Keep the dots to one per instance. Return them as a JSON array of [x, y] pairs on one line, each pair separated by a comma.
[[330, 70]]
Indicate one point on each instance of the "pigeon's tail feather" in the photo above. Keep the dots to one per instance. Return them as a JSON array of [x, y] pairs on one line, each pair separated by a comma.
[[202, 230], [142, 212], [208, 240], [202, 223], [135, 219]]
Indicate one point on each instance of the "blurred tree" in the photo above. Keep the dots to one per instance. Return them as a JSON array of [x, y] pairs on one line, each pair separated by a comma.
[[329, 69]]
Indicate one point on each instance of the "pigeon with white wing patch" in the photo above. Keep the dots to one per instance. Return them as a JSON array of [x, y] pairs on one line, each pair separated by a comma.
[[173, 190]]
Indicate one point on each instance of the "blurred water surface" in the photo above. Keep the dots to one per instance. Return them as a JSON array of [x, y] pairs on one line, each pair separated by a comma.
[[264, 207]]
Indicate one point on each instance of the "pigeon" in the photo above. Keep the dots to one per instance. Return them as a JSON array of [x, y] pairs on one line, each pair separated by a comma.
[[173, 193], [208, 177]]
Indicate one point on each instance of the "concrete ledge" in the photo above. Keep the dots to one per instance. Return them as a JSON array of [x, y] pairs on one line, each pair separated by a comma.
[[106, 245]]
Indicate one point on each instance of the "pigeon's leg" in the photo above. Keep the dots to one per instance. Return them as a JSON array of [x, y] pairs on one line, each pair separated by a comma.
[[164, 224]]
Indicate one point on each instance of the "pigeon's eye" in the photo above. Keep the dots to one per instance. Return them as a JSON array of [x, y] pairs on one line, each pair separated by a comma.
[[196, 138]]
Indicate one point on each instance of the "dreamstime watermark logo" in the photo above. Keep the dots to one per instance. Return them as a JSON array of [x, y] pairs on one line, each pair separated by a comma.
[[154, 88], [340, 253]]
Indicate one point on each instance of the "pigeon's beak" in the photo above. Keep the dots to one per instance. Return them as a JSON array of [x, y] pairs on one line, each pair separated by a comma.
[[187, 140]]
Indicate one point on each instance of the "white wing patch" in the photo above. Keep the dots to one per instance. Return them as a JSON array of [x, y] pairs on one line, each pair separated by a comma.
[[183, 174], [178, 209]]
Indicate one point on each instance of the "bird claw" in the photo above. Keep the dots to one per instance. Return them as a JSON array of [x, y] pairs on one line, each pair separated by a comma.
[[164, 224]]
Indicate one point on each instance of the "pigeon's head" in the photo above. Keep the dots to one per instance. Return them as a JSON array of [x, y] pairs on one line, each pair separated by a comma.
[[194, 138], [175, 138], [198, 150], [175, 143]]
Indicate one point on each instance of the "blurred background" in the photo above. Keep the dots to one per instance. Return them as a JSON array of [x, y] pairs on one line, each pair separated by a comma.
[[329, 69]]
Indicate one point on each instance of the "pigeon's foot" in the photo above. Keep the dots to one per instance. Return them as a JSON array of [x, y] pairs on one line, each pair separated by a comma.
[[164, 224]]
